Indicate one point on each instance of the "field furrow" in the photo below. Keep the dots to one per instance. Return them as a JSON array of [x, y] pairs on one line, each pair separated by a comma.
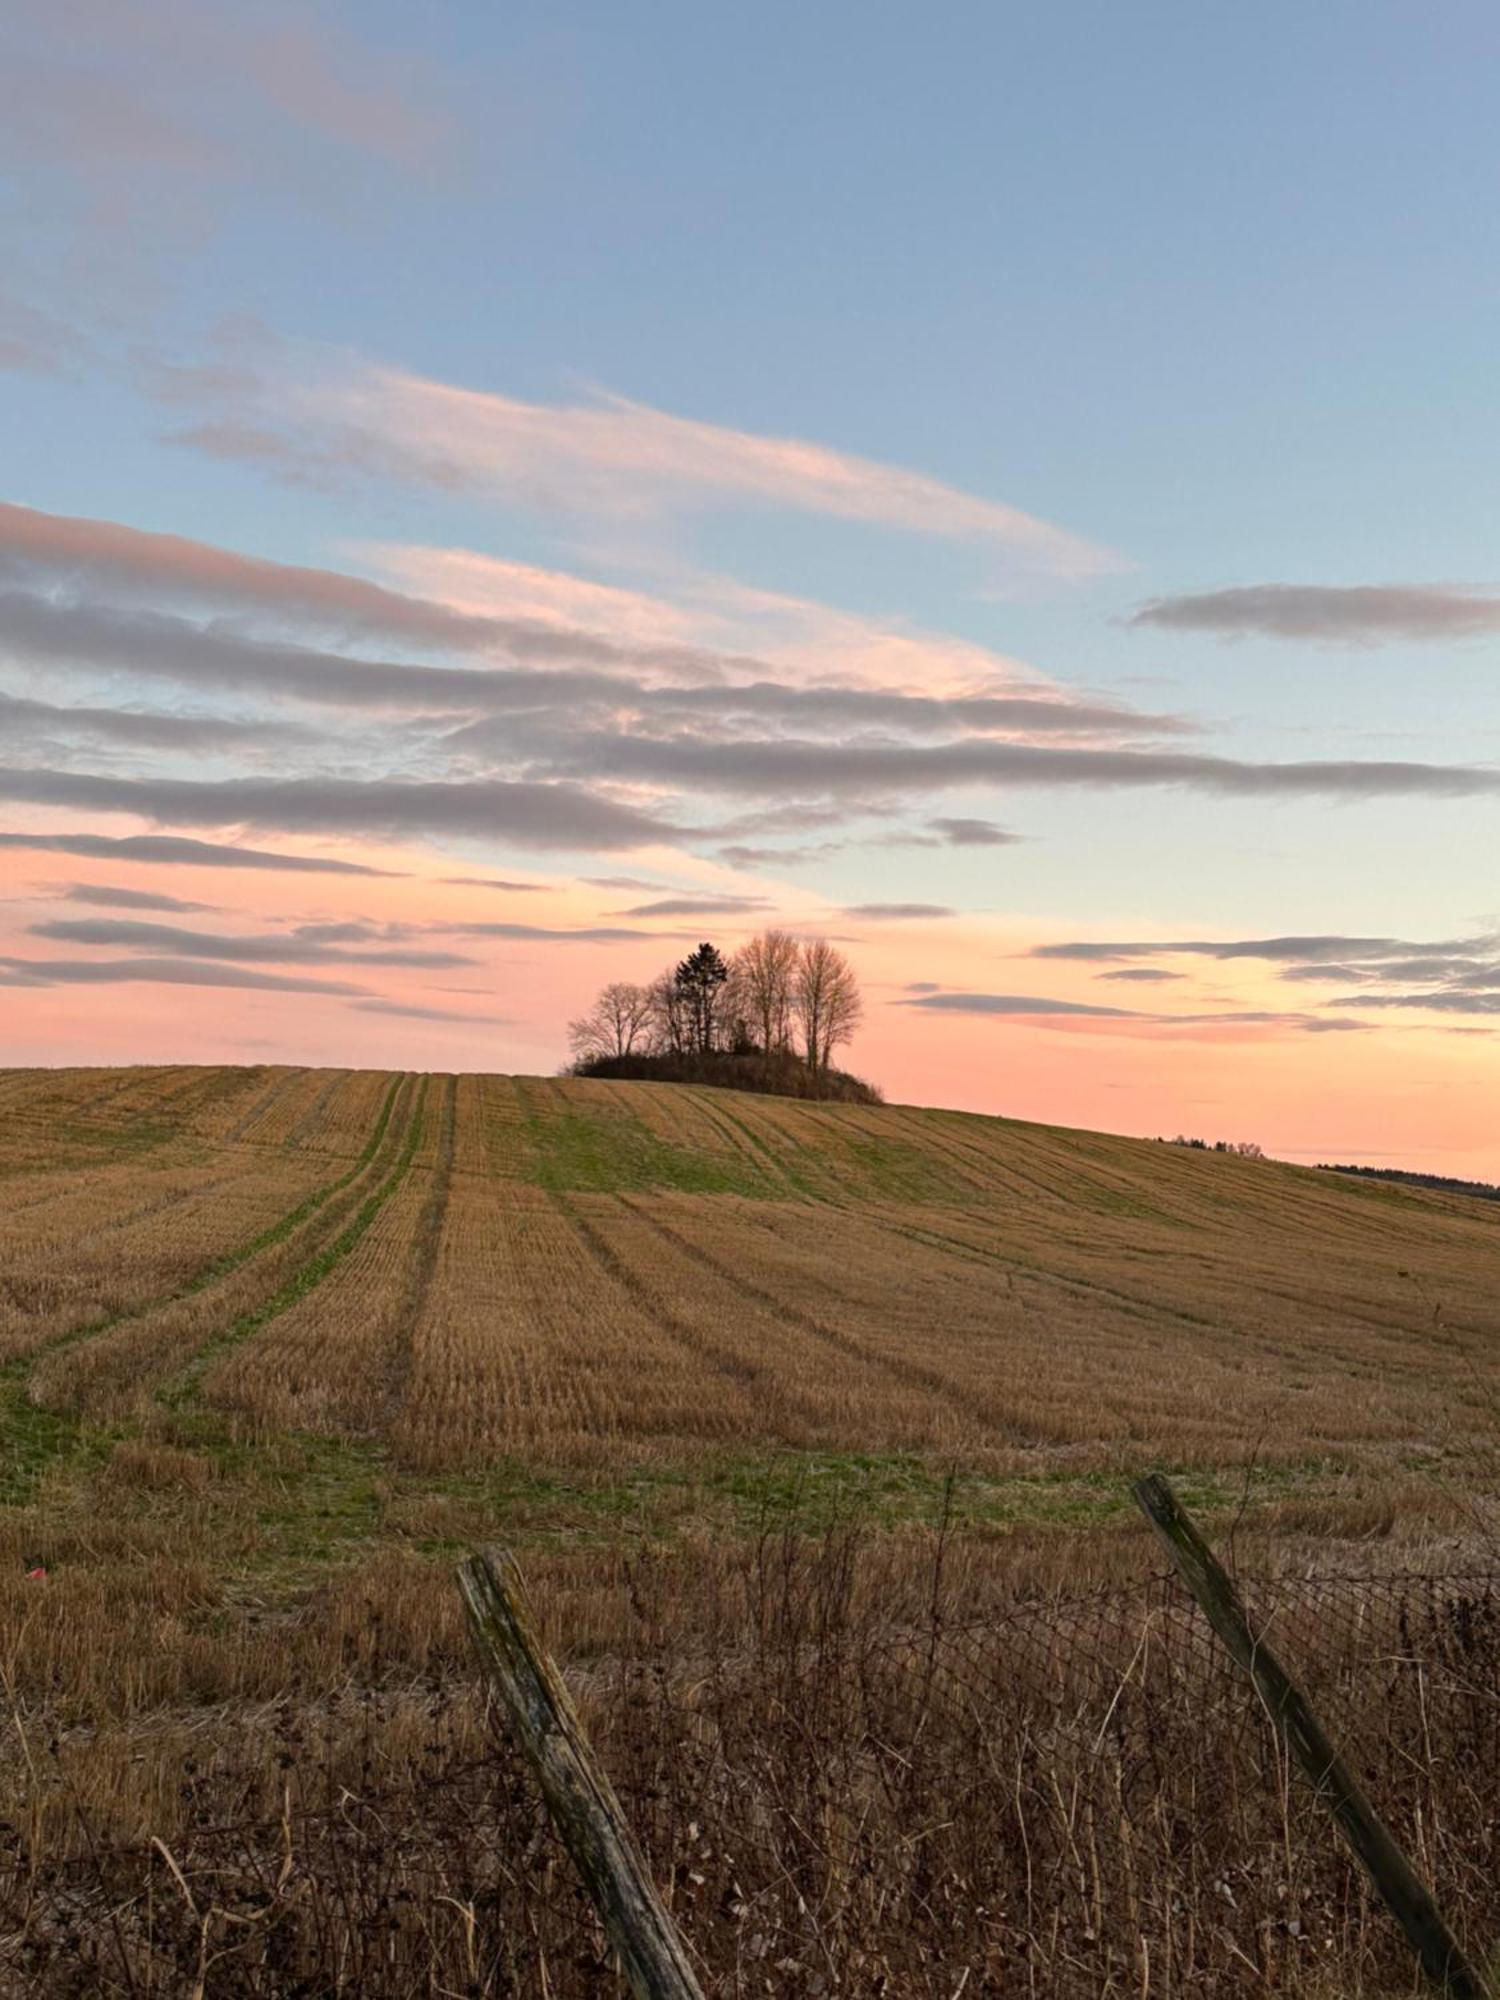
[[117, 1366]]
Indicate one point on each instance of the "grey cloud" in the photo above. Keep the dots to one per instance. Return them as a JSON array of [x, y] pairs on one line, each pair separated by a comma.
[[696, 906], [893, 912], [83, 552], [532, 815], [796, 768], [1360, 614], [1009, 1003], [1022, 1006], [268, 948], [1443, 1002], [740, 855], [175, 851], [1324, 972], [1143, 973], [213, 656], [595, 935], [923, 986], [351, 930], [1457, 973], [104, 897], [847, 707], [1292, 949], [415, 1013], [164, 972], [973, 833], [640, 882], [137, 728], [491, 882]]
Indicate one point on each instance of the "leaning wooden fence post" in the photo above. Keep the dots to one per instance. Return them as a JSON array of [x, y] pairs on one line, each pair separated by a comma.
[[1405, 1895], [579, 1796]]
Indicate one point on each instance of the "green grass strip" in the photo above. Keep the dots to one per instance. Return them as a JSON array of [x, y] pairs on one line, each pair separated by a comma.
[[33, 1438], [183, 1389]]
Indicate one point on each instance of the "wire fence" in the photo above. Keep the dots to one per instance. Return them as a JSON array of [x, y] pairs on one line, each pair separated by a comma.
[[1065, 1796]]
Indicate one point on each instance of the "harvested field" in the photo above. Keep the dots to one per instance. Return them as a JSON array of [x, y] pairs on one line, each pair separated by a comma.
[[750, 1384]]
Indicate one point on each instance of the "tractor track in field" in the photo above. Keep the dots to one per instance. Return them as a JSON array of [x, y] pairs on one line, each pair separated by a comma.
[[1023, 1267], [911, 1374], [181, 1389], [263, 1105], [14, 1372], [762, 1382], [427, 1241], [310, 1117]]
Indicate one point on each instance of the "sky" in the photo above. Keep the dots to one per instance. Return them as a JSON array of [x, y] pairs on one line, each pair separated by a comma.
[[493, 496]]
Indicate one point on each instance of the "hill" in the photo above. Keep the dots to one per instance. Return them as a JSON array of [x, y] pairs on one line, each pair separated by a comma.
[[592, 1273], [797, 1413]]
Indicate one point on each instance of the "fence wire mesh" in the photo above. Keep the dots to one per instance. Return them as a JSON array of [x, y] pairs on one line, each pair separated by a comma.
[[1065, 1796]]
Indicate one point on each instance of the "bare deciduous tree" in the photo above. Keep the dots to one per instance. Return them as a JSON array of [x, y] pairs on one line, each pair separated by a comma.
[[668, 1030], [615, 1025], [765, 971], [828, 1005]]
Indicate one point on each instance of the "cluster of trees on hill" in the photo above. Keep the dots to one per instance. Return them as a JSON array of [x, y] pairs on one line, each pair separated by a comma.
[[770, 1016], [1244, 1149]]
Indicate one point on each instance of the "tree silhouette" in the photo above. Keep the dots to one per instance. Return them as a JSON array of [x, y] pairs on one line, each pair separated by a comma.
[[700, 981]]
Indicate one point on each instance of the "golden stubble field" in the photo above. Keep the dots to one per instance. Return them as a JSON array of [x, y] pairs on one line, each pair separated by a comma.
[[276, 1345]]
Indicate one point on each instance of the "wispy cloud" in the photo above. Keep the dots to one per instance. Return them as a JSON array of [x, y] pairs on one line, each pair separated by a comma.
[[1338, 614], [178, 851], [1330, 947], [332, 418], [402, 1011], [972, 833], [1029, 1009], [274, 948], [1444, 976], [1023, 1006], [696, 906], [543, 934], [1141, 974], [493, 882], [162, 972], [897, 912], [102, 896], [76, 638], [530, 815], [790, 767], [25, 718]]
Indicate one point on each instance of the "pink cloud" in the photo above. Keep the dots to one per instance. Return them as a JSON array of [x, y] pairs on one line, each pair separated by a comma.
[[320, 418]]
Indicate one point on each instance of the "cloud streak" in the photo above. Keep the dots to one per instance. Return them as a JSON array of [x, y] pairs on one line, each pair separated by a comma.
[[531, 815], [337, 420], [177, 851], [1333, 614], [67, 636], [1039, 1011], [273, 948], [1444, 976], [797, 768], [162, 972]]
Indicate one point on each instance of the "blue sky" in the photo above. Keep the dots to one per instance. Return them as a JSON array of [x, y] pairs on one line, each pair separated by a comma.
[[1210, 293]]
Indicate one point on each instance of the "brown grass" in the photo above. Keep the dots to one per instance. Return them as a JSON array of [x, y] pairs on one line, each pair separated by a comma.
[[276, 1345]]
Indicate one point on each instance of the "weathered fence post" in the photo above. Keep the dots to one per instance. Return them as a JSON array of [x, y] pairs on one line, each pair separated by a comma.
[[1405, 1895], [579, 1796]]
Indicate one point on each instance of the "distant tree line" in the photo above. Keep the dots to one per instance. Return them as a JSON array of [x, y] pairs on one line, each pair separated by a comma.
[[1410, 1177], [780, 1005]]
